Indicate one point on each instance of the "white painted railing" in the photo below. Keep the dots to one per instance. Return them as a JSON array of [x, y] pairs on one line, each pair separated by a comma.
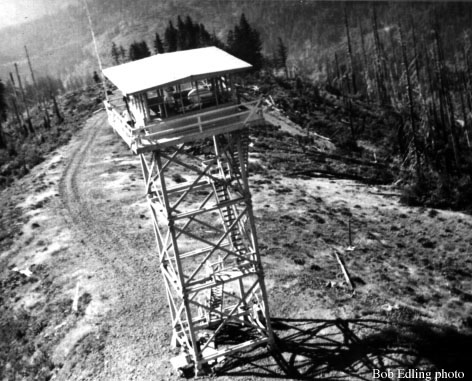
[[201, 122], [204, 120], [120, 124]]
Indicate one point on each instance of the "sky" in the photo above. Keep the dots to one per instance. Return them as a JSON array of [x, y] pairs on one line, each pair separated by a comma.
[[19, 11]]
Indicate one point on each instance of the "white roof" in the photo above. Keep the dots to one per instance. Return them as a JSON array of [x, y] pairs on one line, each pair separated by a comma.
[[168, 68]]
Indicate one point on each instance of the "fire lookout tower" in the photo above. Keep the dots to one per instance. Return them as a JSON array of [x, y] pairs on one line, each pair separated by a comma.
[[168, 104]]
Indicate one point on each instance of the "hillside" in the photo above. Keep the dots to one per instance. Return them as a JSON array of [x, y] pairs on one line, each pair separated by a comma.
[[16, 12], [81, 296], [360, 184], [60, 44]]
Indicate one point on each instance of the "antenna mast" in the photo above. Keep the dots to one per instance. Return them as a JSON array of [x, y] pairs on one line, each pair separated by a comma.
[[96, 48]]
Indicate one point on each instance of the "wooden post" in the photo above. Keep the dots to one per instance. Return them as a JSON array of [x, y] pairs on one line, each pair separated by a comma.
[[228, 86], [147, 113], [215, 90], [198, 95], [199, 119], [160, 99], [164, 103], [231, 86], [181, 98]]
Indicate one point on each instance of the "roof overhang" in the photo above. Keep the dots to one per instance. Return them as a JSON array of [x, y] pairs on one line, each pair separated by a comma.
[[162, 70]]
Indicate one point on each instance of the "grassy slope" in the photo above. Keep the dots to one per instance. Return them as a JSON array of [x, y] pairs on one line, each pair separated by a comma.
[[410, 267]]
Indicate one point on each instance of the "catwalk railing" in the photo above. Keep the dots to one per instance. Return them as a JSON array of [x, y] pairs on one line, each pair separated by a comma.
[[183, 128]]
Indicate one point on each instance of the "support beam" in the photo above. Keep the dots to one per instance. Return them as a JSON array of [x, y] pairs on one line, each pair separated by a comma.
[[206, 256]]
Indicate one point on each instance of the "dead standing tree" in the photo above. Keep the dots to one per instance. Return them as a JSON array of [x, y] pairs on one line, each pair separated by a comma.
[[3, 114], [379, 64], [39, 99], [14, 102], [467, 72], [411, 107], [352, 78], [435, 132], [365, 63], [462, 90], [59, 117], [25, 105], [446, 103]]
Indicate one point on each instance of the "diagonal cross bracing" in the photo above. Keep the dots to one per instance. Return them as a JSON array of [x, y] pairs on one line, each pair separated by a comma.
[[216, 247], [189, 189], [208, 217]]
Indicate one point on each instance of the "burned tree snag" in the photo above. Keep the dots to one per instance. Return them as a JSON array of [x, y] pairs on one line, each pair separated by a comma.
[[352, 78], [448, 107], [28, 121], [338, 71], [414, 129], [39, 100], [59, 117], [462, 90], [380, 73], [365, 63]]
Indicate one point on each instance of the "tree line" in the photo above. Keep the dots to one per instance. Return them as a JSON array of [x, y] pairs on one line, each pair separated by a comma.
[[243, 41], [394, 62]]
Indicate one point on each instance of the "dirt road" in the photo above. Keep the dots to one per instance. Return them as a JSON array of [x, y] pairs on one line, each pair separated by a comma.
[[99, 214], [86, 240]]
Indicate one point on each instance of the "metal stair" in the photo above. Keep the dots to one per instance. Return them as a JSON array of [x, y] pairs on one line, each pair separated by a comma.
[[229, 216]]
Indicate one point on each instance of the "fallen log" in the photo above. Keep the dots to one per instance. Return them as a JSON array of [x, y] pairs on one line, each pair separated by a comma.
[[346, 159], [332, 174]]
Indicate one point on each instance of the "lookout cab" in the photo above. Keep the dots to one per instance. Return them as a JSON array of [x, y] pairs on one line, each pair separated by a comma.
[[169, 106], [175, 97]]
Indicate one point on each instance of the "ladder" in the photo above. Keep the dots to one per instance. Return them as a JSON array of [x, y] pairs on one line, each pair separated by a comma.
[[228, 216]]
